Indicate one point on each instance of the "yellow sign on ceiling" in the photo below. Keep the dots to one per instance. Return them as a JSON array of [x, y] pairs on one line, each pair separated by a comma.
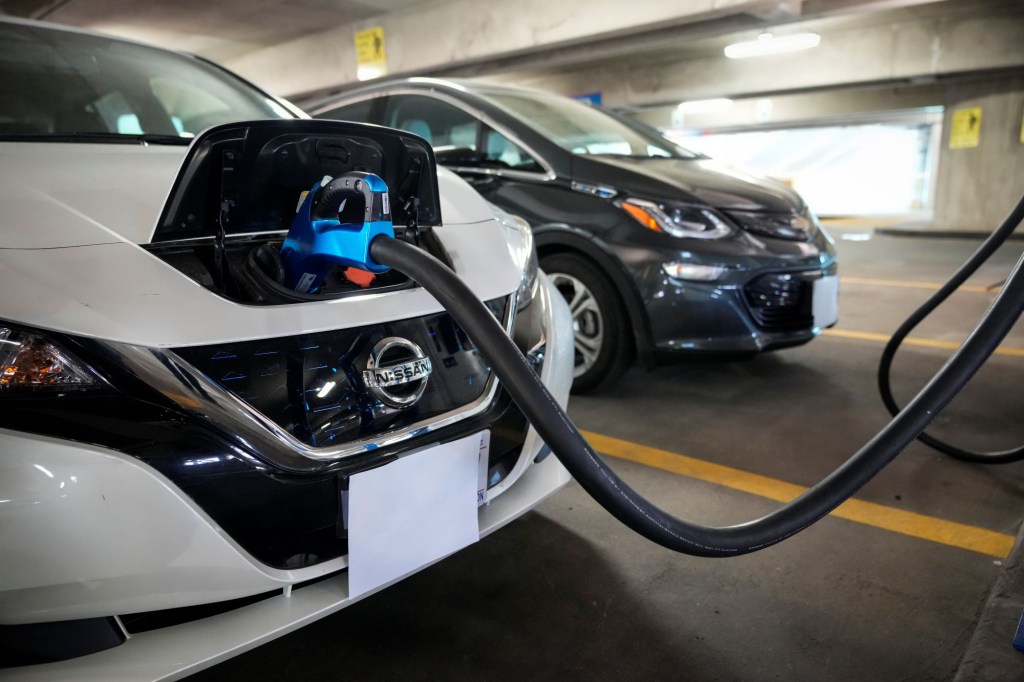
[[371, 58], [966, 129]]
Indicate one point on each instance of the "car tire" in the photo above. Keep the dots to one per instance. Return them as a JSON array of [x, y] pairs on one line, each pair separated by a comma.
[[604, 346]]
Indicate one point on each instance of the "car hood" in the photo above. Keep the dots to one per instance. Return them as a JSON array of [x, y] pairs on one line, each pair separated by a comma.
[[690, 180], [75, 215], [60, 195]]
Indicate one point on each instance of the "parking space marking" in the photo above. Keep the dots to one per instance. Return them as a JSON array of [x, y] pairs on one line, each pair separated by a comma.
[[962, 536], [914, 341], [911, 284]]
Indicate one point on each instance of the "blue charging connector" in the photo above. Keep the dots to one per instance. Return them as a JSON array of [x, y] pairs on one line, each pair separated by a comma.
[[336, 221]]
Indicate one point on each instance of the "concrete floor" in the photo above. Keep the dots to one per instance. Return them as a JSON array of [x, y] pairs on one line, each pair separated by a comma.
[[568, 593]]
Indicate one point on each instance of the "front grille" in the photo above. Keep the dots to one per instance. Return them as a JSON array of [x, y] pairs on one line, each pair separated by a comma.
[[780, 302], [312, 385]]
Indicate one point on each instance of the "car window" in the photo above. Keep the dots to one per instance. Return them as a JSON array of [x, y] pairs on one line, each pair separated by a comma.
[[358, 112], [449, 128], [65, 83], [584, 129], [441, 124], [504, 153]]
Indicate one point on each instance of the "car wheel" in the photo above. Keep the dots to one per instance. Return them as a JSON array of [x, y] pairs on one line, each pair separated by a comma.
[[603, 346]]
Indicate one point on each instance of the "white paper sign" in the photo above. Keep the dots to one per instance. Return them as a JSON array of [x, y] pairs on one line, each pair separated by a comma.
[[411, 512]]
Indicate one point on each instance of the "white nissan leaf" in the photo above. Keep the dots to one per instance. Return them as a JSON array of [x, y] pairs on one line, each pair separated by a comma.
[[199, 455]]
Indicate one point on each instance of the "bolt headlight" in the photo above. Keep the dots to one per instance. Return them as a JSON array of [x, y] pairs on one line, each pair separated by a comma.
[[678, 220], [31, 361], [694, 272], [791, 226], [520, 242]]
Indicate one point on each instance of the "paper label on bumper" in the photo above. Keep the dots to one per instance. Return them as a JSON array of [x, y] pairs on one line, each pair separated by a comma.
[[825, 304], [411, 512]]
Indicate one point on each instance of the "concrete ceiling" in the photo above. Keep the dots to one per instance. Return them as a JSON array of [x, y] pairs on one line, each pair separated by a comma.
[[902, 43], [217, 30], [648, 53]]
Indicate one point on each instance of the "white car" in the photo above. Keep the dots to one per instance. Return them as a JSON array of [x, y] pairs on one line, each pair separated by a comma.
[[196, 457]]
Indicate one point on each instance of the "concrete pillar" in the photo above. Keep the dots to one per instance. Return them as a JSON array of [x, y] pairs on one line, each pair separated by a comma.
[[977, 187]]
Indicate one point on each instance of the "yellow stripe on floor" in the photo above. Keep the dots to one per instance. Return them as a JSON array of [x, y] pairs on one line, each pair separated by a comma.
[[971, 538], [909, 284], [913, 341]]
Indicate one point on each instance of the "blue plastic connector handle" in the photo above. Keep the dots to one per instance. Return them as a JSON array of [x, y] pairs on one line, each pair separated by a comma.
[[334, 226]]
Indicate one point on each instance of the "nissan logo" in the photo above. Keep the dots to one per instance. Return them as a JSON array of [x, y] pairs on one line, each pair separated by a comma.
[[396, 372]]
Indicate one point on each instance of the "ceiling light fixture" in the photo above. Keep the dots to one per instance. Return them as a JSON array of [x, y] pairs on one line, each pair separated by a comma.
[[767, 44], [705, 106]]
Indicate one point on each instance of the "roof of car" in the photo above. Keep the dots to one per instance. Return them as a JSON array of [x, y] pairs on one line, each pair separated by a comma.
[[474, 86], [51, 26]]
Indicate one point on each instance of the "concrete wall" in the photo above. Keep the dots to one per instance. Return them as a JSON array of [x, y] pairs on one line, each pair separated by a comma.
[[977, 187], [900, 47], [435, 35], [843, 105]]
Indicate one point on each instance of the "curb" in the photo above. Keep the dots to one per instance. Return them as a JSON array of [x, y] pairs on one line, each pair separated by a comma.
[[990, 654]]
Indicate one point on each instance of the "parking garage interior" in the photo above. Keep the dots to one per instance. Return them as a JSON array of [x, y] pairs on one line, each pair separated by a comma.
[[903, 129]]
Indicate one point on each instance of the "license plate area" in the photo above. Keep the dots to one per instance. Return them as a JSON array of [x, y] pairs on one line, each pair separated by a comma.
[[411, 512], [825, 301]]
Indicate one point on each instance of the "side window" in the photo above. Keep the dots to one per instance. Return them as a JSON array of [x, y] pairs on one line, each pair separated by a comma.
[[442, 125], [504, 153], [358, 112]]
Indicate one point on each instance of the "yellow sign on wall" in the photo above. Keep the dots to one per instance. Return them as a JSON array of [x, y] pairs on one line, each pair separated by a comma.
[[966, 129], [371, 58]]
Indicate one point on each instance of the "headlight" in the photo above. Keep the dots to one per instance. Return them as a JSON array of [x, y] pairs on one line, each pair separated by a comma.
[[31, 361], [694, 272], [678, 220], [791, 226], [520, 241]]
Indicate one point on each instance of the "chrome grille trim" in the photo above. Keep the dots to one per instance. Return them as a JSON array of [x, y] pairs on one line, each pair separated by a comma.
[[196, 394]]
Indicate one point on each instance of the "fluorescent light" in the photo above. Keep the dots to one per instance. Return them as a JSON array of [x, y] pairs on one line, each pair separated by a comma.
[[365, 73], [767, 44], [705, 106]]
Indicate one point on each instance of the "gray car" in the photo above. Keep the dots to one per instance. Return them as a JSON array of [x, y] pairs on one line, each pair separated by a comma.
[[662, 253]]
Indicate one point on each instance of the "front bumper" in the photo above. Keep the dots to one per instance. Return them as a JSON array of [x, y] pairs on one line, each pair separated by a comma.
[[90, 532], [720, 318], [723, 317]]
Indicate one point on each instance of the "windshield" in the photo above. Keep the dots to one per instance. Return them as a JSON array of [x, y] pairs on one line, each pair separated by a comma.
[[585, 129], [57, 84]]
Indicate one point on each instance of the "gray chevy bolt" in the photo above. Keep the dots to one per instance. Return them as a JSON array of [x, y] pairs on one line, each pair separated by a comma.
[[661, 253]]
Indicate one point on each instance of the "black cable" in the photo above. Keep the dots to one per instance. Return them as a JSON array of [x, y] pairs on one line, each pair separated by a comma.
[[983, 253], [601, 482]]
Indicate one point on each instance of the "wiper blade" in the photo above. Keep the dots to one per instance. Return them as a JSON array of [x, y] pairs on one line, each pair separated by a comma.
[[116, 138], [646, 157]]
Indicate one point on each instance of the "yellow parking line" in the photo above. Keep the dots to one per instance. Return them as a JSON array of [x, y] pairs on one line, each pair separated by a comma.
[[971, 538], [909, 284], [913, 341]]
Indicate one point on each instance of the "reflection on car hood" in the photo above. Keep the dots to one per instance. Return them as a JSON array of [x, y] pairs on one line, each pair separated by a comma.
[[73, 215], [691, 180], [58, 195]]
